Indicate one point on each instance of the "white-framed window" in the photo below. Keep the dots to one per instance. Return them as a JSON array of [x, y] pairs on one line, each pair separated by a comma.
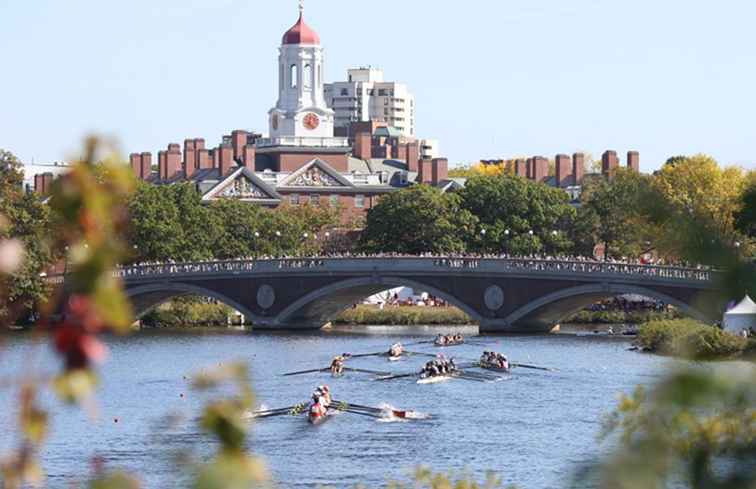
[[293, 76], [315, 200], [294, 199], [307, 77], [334, 200], [359, 201]]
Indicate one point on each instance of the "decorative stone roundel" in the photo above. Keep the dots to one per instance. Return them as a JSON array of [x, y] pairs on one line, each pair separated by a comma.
[[494, 297], [266, 296]]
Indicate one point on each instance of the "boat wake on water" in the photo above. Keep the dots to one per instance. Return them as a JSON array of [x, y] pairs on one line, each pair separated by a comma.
[[389, 417]]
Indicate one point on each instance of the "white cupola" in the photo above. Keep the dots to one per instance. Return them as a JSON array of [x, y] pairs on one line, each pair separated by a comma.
[[301, 110]]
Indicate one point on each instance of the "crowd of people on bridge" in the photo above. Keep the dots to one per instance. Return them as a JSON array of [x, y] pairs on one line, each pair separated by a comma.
[[628, 304], [552, 263]]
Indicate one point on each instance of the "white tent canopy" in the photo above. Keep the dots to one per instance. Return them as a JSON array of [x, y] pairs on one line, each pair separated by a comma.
[[740, 317]]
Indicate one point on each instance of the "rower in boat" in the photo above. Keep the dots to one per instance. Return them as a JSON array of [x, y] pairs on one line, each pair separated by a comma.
[[449, 340], [325, 393], [494, 361], [337, 365], [395, 351], [438, 367], [318, 410]]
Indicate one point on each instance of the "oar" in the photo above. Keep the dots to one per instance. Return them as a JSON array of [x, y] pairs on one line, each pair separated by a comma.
[[466, 376], [468, 365], [420, 354], [479, 375], [395, 412], [361, 413], [362, 370], [291, 410], [534, 367], [307, 371], [361, 355], [419, 343], [401, 376]]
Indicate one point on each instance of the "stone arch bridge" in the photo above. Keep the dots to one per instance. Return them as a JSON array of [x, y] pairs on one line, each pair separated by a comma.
[[503, 295]]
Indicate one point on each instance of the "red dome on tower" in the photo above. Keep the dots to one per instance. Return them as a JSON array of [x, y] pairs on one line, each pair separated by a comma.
[[301, 33]]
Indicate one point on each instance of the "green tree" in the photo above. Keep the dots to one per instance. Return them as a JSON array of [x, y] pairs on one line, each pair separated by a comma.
[[508, 208], [612, 214], [696, 207], [28, 220], [155, 228], [200, 226], [746, 216], [417, 220]]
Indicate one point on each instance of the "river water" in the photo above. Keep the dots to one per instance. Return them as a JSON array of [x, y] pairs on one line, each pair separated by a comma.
[[534, 428]]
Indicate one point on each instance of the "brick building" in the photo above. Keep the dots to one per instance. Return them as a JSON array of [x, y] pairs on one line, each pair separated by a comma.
[[301, 161], [563, 171]]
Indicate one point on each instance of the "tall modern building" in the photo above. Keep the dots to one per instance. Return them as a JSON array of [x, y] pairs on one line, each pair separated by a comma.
[[365, 96]]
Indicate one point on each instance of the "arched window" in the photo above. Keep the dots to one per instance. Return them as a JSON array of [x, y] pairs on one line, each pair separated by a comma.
[[281, 76], [307, 77], [293, 75]]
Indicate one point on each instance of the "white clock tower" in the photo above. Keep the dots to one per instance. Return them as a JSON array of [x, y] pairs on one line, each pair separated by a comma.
[[301, 111]]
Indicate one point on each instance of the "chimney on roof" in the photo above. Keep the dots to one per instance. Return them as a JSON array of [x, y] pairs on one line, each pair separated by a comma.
[[413, 156], [540, 168], [578, 168], [162, 168], [225, 158], [563, 171], [609, 163], [146, 169], [135, 161], [521, 168], [439, 170], [248, 157], [173, 160], [363, 145], [190, 158], [47, 179], [238, 141]]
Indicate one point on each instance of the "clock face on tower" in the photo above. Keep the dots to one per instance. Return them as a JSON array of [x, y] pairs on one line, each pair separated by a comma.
[[311, 121]]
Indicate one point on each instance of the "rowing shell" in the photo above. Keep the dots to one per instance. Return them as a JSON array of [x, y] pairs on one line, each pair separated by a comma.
[[454, 343], [496, 368], [435, 379], [318, 420], [394, 359]]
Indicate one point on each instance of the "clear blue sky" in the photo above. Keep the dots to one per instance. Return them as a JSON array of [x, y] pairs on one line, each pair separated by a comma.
[[492, 78]]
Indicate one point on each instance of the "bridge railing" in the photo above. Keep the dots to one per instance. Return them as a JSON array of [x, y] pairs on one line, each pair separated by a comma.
[[487, 264], [611, 268], [235, 266]]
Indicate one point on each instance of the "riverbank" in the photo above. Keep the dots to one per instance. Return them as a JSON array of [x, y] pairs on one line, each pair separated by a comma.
[[188, 313], [191, 313], [687, 338], [622, 317], [364, 314]]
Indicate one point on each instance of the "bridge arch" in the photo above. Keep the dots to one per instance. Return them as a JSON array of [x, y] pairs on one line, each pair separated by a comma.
[[146, 297], [552, 308], [337, 297]]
